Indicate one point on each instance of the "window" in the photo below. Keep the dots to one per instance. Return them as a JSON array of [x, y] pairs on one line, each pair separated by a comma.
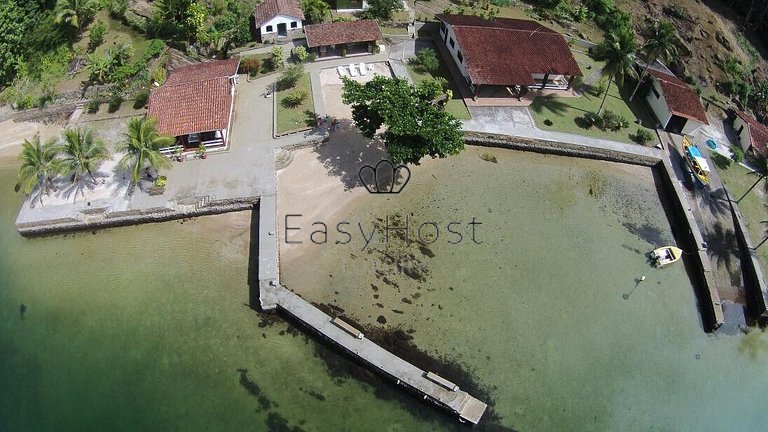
[[453, 44], [460, 57], [269, 29], [655, 93], [294, 24]]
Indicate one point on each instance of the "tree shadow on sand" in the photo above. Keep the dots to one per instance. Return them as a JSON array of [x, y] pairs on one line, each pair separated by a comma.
[[723, 248], [347, 151]]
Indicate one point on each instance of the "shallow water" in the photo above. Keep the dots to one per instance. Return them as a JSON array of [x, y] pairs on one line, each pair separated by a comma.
[[544, 309], [145, 328]]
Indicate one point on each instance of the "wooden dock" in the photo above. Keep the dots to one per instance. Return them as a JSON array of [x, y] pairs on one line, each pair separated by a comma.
[[431, 386]]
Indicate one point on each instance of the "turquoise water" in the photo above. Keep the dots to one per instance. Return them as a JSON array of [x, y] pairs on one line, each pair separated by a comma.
[[145, 328], [537, 312]]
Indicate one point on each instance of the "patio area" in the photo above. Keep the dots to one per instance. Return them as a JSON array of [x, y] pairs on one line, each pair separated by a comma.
[[331, 85]]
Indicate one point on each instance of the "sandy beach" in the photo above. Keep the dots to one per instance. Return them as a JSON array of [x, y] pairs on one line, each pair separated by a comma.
[[15, 133]]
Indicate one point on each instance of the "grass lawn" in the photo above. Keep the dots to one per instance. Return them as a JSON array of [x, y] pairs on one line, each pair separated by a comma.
[[563, 112], [394, 30], [299, 118], [738, 180], [455, 106]]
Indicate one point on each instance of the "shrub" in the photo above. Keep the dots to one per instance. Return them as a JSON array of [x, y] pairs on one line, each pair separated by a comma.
[[642, 136], [548, 122], [96, 36], [159, 75], [301, 54], [114, 103], [295, 98], [427, 60], [278, 57], [93, 106], [117, 8], [290, 77], [442, 82], [591, 119], [141, 100], [737, 153], [612, 121], [250, 66]]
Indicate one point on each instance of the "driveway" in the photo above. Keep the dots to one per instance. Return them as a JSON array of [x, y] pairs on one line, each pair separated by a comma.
[[501, 120]]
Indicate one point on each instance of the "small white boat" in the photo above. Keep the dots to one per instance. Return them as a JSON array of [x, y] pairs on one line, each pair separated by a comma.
[[666, 255]]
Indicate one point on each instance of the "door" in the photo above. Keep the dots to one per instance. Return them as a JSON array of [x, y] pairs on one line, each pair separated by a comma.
[[676, 124], [282, 29]]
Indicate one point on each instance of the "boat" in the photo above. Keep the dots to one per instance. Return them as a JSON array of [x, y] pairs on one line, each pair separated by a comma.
[[666, 255], [696, 161]]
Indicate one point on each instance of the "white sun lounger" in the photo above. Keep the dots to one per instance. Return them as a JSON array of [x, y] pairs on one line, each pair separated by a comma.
[[352, 70], [363, 69], [342, 72]]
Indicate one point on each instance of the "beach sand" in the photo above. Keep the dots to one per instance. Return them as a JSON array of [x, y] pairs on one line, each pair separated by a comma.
[[15, 133]]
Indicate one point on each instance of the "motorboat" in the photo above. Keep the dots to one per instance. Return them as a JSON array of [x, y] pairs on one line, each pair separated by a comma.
[[696, 161], [666, 255]]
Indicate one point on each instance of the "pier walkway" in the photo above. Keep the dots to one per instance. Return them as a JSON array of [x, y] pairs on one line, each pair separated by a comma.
[[272, 295]]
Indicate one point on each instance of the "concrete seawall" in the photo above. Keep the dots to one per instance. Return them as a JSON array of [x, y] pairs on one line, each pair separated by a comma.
[[102, 218], [711, 308], [754, 282]]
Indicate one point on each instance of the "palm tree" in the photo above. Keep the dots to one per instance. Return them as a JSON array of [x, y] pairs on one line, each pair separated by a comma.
[[761, 173], [618, 54], [98, 67], [74, 12], [119, 53], [141, 147], [83, 153], [660, 45], [38, 165]]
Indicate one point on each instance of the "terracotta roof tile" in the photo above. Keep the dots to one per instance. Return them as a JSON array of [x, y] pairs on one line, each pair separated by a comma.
[[269, 9], [342, 32], [508, 51], [758, 132], [195, 98], [681, 99], [204, 71]]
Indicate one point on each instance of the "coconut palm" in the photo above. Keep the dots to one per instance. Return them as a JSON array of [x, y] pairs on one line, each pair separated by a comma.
[[82, 153], [618, 54], [74, 12], [38, 165], [141, 147], [660, 45]]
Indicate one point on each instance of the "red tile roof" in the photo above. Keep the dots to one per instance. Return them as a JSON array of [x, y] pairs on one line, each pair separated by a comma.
[[758, 132], [204, 71], [194, 99], [269, 9], [342, 32], [681, 99], [508, 51]]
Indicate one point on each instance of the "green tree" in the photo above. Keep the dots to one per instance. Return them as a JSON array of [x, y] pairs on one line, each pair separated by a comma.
[[141, 145], [38, 165], [427, 60], [75, 12], [290, 77], [416, 127], [96, 35], [660, 44], [12, 26], [99, 67], [82, 153], [315, 11], [277, 57], [618, 53], [383, 9]]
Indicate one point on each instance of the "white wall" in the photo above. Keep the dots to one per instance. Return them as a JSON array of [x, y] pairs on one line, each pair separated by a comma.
[[454, 51], [744, 139], [691, 127], [659, 105], [280, 19]]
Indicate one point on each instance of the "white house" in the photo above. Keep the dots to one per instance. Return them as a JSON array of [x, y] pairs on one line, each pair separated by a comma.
[[278, 19], [753, 135], [676, 105], [349, 5]]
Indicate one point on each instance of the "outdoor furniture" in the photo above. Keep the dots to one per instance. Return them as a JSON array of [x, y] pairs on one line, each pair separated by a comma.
[[363, 70], [352, 70], [342, 72]]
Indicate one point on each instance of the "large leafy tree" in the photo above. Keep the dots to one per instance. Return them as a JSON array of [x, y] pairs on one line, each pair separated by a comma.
[[618, 53], [315, 11], [82, 153], [383, 9], [660, 44], [75, 12], [12, 26], [141, 145], [38, 165], [416, 126]]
